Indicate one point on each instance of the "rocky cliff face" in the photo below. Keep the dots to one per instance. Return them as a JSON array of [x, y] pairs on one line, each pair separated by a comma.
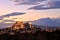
[[22, 25]]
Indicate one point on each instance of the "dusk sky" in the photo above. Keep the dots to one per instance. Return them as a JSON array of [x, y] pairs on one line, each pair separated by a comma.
[[7, 6], [31, 9]]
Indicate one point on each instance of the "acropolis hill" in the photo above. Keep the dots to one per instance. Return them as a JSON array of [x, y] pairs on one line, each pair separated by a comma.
[[27, 31]]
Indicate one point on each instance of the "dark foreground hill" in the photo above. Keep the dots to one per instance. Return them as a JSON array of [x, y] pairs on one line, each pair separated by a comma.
[[26, 31]]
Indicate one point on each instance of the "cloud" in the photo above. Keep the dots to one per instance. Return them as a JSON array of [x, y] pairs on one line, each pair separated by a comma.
[[40, 4], [8, 21], [29, 2], [26, 2], [47, 5], [11, 14]]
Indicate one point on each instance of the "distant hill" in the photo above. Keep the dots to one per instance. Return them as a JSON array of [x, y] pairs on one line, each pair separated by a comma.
[[56, 19], [11, 14], [46, 22]]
